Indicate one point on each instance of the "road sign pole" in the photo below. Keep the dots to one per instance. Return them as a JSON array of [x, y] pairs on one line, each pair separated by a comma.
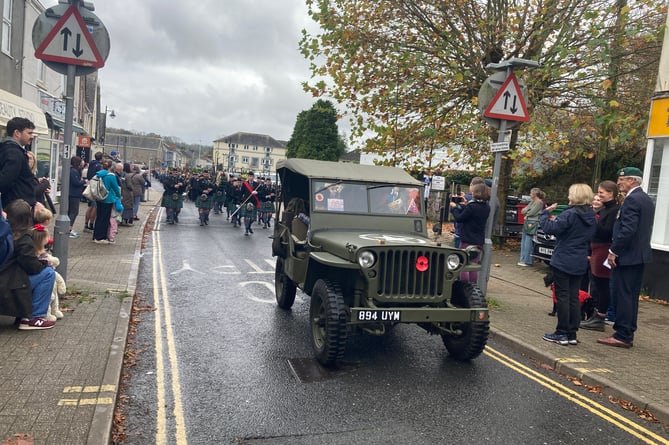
[[494, 207], [62, 227]]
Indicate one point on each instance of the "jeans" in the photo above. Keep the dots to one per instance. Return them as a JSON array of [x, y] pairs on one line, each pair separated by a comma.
[[135, 204], [42, 286], [526, 246]]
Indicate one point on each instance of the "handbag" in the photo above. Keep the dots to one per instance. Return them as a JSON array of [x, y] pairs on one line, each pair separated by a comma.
[[530, 227], [95, 190]]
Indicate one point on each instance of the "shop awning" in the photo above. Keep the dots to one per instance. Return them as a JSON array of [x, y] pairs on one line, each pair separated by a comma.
[[12, 106], [56, 123]]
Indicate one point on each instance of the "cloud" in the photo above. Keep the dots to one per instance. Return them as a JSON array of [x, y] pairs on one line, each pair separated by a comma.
[[202, 70]]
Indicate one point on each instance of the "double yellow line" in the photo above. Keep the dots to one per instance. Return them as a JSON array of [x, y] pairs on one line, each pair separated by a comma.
[[165, 336], [597, 409]]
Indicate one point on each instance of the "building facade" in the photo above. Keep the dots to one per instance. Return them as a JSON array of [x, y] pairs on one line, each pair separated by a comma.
[[242, 152]]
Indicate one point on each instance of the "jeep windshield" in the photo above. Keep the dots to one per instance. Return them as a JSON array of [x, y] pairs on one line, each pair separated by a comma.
[[366, 198]]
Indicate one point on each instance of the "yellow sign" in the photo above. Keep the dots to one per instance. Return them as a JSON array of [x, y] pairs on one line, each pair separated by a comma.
[[658, 124]]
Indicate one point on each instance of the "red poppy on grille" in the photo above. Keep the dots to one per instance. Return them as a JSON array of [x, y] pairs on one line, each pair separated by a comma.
[[421, 263]]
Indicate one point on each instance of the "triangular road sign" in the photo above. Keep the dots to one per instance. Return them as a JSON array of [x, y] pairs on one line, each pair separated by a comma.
[[70, 42], [508, 104]]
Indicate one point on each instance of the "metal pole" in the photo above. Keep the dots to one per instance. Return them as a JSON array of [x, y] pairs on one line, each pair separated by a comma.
[[62, 226], [494, 206], [125, 150]]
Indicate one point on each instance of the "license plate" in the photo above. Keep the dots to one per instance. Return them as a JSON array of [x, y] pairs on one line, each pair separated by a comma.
[[379, 315], [545, 250]]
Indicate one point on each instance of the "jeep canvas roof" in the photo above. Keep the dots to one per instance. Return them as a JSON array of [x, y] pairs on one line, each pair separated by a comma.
[[346, 172]]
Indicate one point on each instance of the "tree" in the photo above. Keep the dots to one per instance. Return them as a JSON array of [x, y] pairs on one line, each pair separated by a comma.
[[315, 135], [406, 66]]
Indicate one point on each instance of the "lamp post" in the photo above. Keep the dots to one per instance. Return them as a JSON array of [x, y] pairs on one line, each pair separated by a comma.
[[104, 125]]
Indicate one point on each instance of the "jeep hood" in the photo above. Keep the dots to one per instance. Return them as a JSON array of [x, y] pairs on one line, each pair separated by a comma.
[[346, 243]]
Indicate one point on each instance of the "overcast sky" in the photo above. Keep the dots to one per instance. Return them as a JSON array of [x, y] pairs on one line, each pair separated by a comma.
[[203, 69]]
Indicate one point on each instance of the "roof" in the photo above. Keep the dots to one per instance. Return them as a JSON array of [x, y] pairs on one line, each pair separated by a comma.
[[346, 171], [253, 139]]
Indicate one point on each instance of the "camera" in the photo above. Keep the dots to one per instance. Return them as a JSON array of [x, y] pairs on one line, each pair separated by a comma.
[[456, 199]]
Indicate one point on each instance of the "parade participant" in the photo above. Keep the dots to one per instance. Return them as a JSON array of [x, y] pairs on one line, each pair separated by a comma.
[[172, 200], [229, 190], [251, 202], [219, 197], [267, 194], [234, 201], [205, 191]]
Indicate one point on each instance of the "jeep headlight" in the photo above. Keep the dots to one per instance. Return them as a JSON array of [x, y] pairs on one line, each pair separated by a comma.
[[453, 261], [366, 259], [474, 253]]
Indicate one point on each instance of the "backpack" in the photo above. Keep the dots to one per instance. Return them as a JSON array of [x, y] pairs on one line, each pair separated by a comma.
[[95, 190]]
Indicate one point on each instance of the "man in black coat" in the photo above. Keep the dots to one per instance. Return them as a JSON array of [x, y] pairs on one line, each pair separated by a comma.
[[630, 251], [16, 178]]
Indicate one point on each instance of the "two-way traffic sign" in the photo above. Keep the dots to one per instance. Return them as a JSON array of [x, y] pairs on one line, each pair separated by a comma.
[[70, 42], [508, 103]]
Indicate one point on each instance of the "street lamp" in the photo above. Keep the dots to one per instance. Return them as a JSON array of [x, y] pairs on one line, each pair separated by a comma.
[[112, 114]]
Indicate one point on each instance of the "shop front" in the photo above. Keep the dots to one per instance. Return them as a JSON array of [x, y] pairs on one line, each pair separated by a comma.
[[656, 183]]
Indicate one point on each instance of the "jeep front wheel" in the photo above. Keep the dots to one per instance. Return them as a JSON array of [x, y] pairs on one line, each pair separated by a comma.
[[328, 317], [473, 337], [284, 287]]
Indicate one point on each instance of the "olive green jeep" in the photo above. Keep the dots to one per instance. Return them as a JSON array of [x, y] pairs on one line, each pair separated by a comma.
[[354, 238]]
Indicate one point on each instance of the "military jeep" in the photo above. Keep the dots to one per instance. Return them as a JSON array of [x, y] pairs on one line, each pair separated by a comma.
[[354, 238]]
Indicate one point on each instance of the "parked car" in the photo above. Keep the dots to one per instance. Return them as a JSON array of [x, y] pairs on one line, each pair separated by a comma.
[[545, 243], [543, 246], [354, 238]]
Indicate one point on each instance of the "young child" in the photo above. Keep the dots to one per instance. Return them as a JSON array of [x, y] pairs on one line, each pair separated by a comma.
[[40, 236], [43, 216], [42, 278], [42, 243]]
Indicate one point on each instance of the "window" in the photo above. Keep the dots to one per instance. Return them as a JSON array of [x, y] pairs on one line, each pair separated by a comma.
[[255, 148], [245, 159], [268, 149], [6, 26], [658, 187]]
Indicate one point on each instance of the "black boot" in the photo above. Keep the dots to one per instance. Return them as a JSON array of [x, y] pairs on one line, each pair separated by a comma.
[[594, 323]]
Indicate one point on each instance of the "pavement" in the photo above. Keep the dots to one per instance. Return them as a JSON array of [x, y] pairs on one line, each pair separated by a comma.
[[60, 386]]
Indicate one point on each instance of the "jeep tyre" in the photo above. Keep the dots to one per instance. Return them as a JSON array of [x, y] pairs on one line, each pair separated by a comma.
[[471, 342], [328, 318], [284, 287]]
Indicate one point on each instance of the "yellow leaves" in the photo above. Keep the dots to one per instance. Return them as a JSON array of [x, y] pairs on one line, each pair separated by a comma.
[[606, 84], [590, 155], [614, 104]]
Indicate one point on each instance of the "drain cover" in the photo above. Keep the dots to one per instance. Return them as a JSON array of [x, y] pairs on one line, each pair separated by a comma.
[[308, 370]]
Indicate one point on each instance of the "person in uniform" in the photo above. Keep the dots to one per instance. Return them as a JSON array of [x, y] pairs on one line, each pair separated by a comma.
[[250, 202], [267, 194], [205, 192], [172, 196], [219, 196], [234, 201]]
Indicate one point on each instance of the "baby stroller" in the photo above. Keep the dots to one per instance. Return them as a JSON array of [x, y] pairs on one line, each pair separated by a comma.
[[584, 298]]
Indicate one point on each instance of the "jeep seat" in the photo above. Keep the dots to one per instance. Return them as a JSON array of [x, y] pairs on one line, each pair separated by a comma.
[[298, 232]]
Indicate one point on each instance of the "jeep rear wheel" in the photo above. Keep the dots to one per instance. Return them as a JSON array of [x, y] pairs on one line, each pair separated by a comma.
[[470, 343], [328, 317], [284, 287]]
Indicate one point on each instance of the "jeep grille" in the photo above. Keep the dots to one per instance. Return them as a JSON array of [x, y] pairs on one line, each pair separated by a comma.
[[399, 279]]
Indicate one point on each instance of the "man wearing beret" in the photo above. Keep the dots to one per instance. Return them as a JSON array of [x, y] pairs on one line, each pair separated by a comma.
[[630, 251]]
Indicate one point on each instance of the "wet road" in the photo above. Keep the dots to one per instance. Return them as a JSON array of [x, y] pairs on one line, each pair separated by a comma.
[[218, 362]]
